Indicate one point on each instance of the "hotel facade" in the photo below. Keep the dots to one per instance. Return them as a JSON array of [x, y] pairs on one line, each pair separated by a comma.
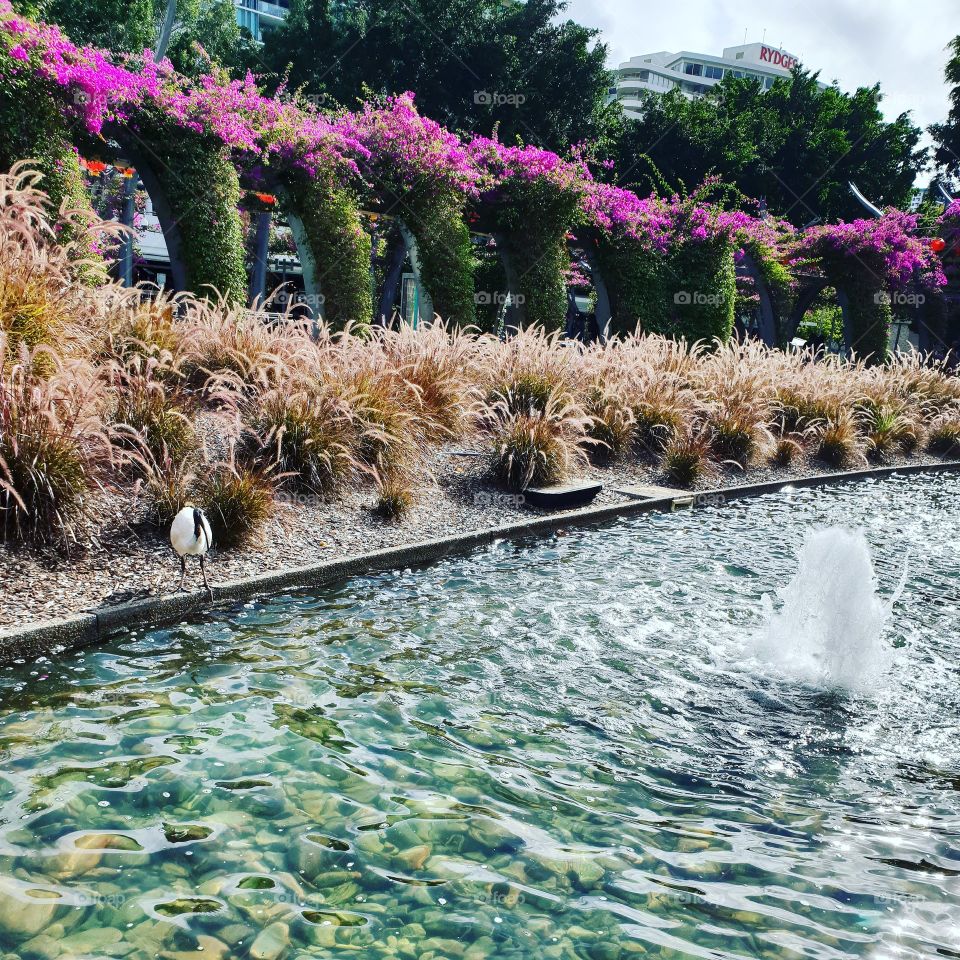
[[694, 74]]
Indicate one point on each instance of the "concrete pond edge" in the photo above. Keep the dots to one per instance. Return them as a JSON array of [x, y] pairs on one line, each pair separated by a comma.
[[84, 629]]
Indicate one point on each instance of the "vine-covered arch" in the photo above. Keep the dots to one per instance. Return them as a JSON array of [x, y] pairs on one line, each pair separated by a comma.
[[667, 262]]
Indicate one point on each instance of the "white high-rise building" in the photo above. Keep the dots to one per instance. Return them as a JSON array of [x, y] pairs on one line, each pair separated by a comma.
[[695, 73], [258, 16]]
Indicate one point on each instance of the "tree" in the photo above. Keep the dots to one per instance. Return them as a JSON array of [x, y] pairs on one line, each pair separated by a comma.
[[797, 144], [473, 64], [947, 135]]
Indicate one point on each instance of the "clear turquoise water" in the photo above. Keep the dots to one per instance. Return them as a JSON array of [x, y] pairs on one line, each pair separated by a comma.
[[559, 748]]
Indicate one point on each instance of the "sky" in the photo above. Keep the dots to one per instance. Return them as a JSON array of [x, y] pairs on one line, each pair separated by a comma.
[[898, 43]]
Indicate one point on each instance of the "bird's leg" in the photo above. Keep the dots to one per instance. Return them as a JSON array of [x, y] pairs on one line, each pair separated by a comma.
[[203, 570], [183, 572]]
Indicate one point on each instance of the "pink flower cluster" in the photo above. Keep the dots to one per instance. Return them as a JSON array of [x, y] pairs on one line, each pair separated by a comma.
[[890, 245]]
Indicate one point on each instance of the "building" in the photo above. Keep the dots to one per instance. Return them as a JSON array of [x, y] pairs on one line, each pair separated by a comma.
[[695, 73], [260, 16]]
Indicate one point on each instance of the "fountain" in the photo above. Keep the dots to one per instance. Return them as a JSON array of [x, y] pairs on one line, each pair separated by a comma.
[[829, 629]]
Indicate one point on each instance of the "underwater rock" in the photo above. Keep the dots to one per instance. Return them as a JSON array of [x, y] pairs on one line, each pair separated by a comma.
[[26, 917], [271, 943], [41, 947], [415, 857], [185, 832]]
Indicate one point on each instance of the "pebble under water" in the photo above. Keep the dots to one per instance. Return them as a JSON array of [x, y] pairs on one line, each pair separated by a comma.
[[595, 746]]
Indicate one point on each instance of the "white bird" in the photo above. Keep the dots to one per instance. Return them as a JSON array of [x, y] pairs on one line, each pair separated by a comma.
[[190, 536]]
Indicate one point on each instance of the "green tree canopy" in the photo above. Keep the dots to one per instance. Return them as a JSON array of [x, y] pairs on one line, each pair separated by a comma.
[[947, 135], [798, 145], [473, 64]]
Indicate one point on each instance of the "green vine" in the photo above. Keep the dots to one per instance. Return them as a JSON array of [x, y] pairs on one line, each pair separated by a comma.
[[34, 129], [202, 190], [688, 292], [436, 219], [338, 245], [533, 219], [868, 306]]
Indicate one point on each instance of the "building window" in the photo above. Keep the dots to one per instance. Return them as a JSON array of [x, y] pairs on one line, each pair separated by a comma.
[[713, 73], [693, 69]]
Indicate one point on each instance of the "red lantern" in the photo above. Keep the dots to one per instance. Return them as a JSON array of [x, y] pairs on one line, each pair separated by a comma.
[[938, 244]]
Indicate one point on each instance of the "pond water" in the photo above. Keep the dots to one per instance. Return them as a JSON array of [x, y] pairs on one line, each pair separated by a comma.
[[611, 744]]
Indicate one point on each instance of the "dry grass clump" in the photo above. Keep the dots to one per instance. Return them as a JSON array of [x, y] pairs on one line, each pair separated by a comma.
[[839, 442], [305, 430], [151, 409], [395, 496], [437, 367], [740, 400], [53, 448], [537, 447], [944, 436], [688, 455], [237, 498], [148, 328], [224, 344], [526, 371]]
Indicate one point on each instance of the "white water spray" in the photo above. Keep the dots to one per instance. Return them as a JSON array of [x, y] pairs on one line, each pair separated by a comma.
[[829, 631]]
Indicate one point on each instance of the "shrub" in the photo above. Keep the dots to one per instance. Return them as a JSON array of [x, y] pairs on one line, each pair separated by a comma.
[[537, 447]]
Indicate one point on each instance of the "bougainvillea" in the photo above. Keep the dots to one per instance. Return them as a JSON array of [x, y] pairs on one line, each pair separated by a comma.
[[654, 250]]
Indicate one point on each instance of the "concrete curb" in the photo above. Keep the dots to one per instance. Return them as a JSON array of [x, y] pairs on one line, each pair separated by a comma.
[[87, 628]]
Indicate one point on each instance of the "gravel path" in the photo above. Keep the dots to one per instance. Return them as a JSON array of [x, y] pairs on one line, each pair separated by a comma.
[[128, 559]]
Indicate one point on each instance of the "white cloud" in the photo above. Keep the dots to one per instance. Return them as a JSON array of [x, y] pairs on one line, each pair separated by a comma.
[[859, 43]]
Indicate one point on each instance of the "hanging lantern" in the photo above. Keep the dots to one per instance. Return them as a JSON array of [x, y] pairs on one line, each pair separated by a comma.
[[938, 244]]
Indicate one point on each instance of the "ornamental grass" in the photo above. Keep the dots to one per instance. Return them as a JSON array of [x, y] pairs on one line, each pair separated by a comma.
[[172, 399]]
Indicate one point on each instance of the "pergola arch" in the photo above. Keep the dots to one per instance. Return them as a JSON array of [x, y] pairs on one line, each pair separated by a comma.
[[809, 288], [769, 321]]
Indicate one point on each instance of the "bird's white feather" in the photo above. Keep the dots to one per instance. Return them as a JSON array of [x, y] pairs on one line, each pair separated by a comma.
[[183, 534]]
